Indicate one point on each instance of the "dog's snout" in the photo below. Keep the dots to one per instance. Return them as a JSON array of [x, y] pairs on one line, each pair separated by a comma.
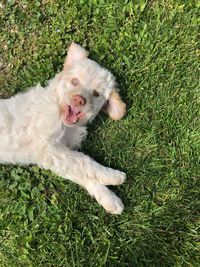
[[78, 101]]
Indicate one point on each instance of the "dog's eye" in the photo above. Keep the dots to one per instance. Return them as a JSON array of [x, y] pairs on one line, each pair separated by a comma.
[[96, 93], [75, 81]]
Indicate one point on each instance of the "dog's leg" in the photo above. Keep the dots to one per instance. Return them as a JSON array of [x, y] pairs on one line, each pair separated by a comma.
[[84, 171], [77, 166]]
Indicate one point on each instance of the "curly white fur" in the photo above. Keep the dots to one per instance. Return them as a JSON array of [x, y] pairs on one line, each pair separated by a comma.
[[36, 127]]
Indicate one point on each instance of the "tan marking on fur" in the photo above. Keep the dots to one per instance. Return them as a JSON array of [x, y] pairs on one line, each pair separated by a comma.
[[115, 108]]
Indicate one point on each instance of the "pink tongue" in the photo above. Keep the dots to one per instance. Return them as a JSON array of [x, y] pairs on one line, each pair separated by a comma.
[[72, 116]]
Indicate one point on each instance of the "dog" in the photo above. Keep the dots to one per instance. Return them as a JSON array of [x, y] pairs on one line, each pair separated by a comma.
[[45, 126]]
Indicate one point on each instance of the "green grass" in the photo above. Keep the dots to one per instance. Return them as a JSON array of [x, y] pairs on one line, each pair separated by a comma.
[[153, 49]]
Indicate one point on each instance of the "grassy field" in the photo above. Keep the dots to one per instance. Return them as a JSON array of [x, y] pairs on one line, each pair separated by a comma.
[[153, 49]]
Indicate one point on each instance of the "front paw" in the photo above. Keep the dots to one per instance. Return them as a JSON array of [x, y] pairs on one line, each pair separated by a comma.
[[112, 204], [105, 197], [119, 178], [112, 177]]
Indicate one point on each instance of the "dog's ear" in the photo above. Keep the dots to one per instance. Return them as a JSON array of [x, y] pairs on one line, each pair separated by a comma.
[[75, 53], [115, 107]]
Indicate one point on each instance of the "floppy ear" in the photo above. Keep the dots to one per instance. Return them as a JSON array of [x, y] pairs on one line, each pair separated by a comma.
[[115, 107], [75, 53]]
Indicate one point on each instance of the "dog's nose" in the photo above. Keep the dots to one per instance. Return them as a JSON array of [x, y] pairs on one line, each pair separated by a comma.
[[78, 101]]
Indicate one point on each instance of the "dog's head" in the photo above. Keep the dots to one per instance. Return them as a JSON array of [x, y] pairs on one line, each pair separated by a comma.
[[85, 88]]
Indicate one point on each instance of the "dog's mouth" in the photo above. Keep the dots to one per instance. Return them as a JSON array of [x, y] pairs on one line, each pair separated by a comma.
[[72, 114]]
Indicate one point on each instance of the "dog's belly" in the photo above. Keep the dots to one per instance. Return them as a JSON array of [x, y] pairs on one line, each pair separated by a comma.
[[13, 141], [14, 147], [13, 135]]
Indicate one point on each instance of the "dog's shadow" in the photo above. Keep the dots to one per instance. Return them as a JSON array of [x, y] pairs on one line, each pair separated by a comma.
[[95, 143], [99, 142], [89, 145]]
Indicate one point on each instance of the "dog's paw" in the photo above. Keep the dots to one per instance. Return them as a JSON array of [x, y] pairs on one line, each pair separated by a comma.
[[119, 178], [105, 197], [113, 204], [113, 177]]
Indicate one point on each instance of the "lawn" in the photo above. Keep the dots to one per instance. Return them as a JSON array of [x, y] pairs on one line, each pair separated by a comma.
[[153, 49]]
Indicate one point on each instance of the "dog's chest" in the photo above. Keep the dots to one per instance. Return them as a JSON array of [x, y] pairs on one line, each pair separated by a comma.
[[71, 137]]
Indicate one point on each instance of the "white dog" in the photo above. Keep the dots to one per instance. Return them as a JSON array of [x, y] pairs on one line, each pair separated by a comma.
[[44, 126]]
